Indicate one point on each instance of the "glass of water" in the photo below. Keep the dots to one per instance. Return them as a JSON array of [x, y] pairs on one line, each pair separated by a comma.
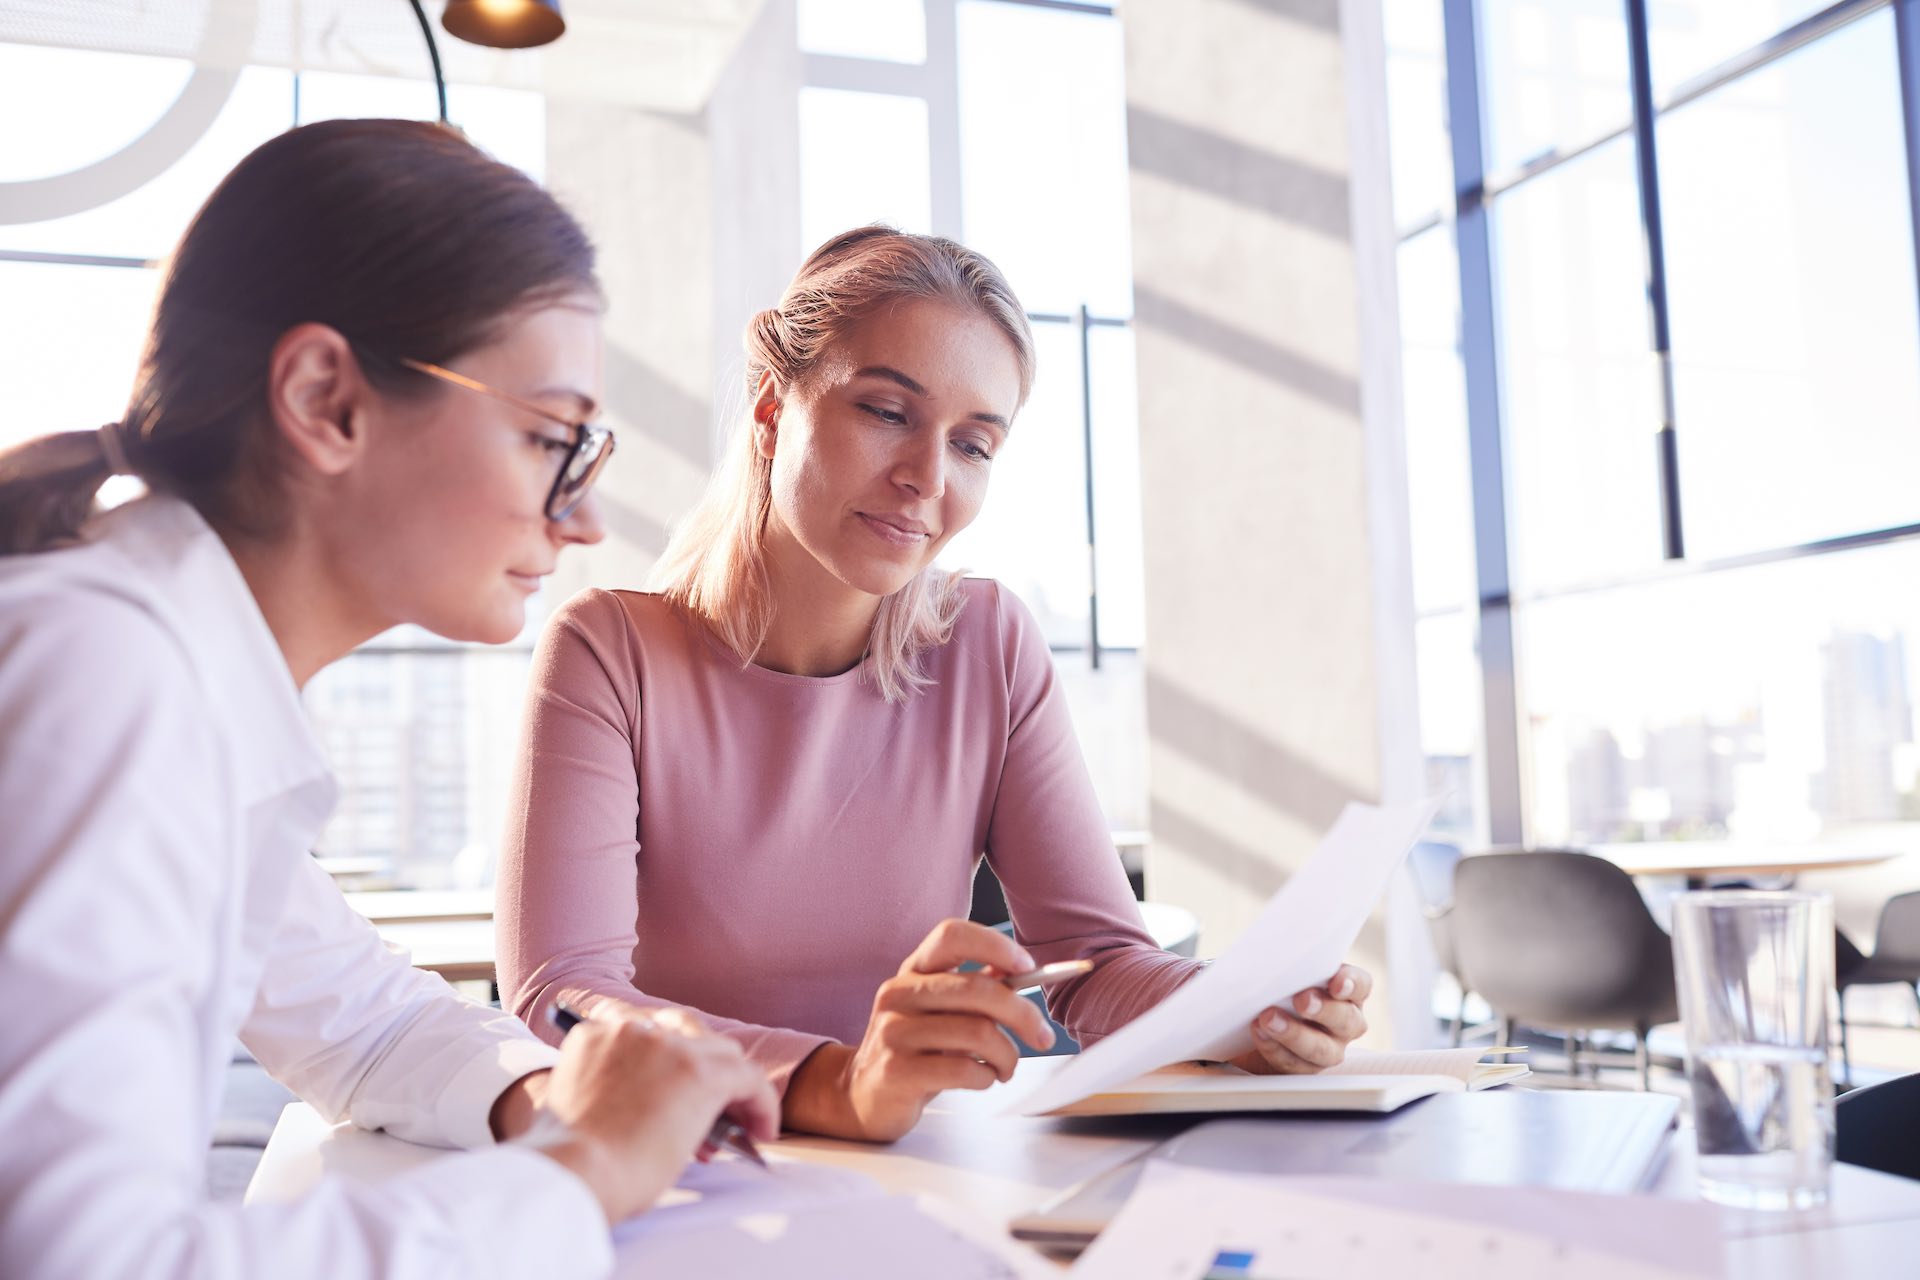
[[1755, 975]]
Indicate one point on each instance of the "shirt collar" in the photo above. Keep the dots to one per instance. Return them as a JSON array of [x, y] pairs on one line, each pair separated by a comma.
[[187, 577]]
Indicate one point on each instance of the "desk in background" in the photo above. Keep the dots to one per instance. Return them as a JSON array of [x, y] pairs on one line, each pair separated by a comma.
[[451, 933], [1703, 860]]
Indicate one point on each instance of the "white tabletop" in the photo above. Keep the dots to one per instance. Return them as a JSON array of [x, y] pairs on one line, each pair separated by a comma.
[[998, 1168], [389, 906], [1699, 858]]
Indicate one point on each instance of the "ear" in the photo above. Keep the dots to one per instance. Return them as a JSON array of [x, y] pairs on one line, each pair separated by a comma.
[[313, 387], [768, 401]]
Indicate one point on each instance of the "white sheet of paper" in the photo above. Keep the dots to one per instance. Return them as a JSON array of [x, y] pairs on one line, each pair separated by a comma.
[[728, 1190], [1182, 1221], [729, 1219], [1299, 938]]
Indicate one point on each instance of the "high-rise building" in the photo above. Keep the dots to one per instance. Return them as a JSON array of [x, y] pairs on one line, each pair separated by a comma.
[[1867, 715]]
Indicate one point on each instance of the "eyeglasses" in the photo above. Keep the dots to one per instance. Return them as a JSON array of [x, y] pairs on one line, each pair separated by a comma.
[[592, 445]]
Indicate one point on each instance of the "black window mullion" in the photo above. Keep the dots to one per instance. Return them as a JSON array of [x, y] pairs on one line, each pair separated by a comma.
[[1653, 238], [1906, 27]]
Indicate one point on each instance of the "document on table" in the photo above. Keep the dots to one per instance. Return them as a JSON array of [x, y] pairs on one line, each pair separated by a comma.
[[799, 1220], [1196, 1224], [1299, 938]]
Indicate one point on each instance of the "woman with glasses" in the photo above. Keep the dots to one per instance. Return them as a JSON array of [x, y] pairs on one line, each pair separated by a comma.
[[365, 401], [760, 792]]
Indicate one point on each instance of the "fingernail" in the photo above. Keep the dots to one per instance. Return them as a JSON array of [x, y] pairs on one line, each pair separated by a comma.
[[1308, 1003], [1026, 963], [1343, 988], [1275, 1024]]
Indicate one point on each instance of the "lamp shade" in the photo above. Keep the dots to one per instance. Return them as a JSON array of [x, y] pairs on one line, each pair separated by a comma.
[[504, 24]]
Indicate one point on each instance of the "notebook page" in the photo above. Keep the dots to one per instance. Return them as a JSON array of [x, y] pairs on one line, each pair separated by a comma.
[[1458, 1063]]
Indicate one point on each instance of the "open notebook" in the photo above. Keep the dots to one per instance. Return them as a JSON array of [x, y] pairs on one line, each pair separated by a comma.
[[1364, 1082]]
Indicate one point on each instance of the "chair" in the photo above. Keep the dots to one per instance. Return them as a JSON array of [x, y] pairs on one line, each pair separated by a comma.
[[1556, 939], [1895, 958], [1432, 864], [1878, 1127]]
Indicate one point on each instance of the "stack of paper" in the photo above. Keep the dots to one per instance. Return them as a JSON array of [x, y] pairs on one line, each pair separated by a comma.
[[1299, 939], [1364, 1082]]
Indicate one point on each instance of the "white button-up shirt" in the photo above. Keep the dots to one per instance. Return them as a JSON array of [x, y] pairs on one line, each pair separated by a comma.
[[160, 790]]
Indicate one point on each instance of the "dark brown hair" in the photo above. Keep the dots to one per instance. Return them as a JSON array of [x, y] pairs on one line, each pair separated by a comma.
[[403, 236]]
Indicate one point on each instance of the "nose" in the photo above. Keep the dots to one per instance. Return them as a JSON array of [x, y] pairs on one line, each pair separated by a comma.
[[583, 524], [922, 467]]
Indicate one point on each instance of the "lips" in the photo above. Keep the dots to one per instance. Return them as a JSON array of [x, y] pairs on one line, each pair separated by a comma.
[[531, 581], [899, 530]]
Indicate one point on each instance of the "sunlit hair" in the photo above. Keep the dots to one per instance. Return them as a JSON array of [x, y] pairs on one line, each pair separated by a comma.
[[715, 565]]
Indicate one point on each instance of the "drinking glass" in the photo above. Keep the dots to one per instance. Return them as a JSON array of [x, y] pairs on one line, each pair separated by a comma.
[[1755, 977]]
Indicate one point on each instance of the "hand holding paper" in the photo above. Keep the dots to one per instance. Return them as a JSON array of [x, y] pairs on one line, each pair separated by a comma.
[[1299, 938], [1310, 1031]]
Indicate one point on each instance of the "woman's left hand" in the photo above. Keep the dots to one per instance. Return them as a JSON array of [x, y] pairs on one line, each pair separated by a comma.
[[1310, 1031]]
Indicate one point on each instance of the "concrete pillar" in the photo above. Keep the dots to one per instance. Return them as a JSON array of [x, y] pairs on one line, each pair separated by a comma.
[[1278, 601], [697, 220]]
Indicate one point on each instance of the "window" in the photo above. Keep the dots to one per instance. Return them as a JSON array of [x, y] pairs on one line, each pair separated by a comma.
[[1578, 385], [1553, 74], [1796, 340], [884, 179], [1755, 679], [1440, 517], [1771, 702]]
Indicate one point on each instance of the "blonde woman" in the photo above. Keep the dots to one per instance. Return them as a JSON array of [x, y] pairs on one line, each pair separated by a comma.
[[760, 792]]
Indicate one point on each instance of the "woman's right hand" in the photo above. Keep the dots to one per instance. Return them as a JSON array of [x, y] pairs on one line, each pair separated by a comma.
[[640, 1095], [931, 1029]]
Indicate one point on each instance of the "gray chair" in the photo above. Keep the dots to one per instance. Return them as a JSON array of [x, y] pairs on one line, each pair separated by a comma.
[[1432, 864], [250, 1106], [1563, 940], [1895, 959]]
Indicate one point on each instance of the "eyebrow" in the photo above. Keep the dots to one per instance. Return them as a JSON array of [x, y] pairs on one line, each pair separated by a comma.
[[589, 407], [894, 375]]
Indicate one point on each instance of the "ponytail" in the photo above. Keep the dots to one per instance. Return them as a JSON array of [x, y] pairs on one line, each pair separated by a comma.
[[48, 486], [399, 234]]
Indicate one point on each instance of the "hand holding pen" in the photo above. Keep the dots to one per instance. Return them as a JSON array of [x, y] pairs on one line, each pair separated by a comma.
[[635, 1102], [932, 1028], [725, 1133]]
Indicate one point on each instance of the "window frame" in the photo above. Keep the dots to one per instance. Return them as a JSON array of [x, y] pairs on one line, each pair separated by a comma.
[[1476, 188]]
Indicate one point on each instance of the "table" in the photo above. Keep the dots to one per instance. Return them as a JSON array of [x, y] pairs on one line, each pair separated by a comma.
[[457, 950], [1000, 1167], [420, 906], [460, 947], [1701, 860]]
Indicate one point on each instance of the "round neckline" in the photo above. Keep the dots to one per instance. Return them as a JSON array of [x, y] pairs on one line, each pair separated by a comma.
[[727, 658]]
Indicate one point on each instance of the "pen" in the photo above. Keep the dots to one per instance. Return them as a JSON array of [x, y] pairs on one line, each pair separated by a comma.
[[725, 1133], [1048, 973]]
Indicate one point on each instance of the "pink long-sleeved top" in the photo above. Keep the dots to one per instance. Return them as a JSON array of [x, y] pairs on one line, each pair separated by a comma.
[[764, 849]]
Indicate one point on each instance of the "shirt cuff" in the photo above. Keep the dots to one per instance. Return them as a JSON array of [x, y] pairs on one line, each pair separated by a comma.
[[780, 1053], [466, 1103], [519, 1213]]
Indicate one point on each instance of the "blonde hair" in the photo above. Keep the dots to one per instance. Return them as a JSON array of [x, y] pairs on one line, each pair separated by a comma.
[[715, 564]]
